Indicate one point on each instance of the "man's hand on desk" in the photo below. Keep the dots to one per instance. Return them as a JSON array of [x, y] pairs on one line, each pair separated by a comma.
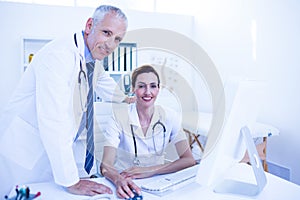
[[125, 188], [90, 188]]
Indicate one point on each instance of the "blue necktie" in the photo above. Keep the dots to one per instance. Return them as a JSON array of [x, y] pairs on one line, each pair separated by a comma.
[[89, 159]]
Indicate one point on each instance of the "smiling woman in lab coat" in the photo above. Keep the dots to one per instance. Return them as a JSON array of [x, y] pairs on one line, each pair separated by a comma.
[[41, 121], [137, 137]]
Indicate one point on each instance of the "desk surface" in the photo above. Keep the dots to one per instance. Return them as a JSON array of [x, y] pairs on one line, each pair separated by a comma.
[[276, 189]]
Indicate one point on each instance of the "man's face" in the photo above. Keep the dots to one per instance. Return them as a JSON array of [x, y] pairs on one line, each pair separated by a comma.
[[102, 38]]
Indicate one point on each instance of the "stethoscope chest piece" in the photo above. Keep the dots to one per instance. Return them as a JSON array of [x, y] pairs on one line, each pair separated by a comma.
[[136, 161]]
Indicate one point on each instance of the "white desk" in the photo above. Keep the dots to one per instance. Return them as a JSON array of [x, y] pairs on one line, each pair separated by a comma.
[[276, 189]]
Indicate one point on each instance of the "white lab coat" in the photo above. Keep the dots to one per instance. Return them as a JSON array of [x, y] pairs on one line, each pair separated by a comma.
[[38, 127], [150, 147]]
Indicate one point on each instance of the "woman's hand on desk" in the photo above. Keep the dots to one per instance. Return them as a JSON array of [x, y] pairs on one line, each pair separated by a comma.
[[138, 172], [90, 188]]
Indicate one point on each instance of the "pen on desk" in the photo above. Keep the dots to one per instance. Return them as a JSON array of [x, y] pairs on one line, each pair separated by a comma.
[[22, 192], [37, 195], [27, 192], [17, 191]]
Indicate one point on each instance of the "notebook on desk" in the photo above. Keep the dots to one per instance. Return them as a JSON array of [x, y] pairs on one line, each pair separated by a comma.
[[169, 182]]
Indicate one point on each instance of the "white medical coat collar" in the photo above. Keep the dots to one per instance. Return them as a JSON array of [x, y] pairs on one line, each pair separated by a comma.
[[134, 118]]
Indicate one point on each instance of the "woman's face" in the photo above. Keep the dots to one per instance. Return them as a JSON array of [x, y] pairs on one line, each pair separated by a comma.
[[146, 89]]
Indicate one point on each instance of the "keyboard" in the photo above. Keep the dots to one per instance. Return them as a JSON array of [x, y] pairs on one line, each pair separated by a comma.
[[171, 181]]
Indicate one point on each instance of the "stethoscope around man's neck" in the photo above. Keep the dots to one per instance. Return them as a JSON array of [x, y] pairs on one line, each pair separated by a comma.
[[82, 81], [136, 160]]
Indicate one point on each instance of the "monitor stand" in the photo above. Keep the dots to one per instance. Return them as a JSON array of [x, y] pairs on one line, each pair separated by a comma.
[[243, 188]]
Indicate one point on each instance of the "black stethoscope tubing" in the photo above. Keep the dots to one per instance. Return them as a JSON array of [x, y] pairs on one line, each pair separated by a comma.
[[134, 140], [164, 128], [81, 72], [81, 77]]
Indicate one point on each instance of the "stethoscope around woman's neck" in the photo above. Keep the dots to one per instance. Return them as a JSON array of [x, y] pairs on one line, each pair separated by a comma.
[[136, 160]]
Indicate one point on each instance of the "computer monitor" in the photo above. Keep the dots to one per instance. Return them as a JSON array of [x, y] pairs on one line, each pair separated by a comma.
[[243, 99]]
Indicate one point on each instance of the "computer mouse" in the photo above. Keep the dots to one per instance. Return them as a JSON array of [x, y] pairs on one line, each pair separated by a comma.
[[136, 196]]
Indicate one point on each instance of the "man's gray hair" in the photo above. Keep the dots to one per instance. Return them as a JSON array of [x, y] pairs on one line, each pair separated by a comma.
[[102, 10]]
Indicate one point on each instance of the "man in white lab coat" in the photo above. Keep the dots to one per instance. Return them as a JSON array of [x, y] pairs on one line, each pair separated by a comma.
[[41, 121]]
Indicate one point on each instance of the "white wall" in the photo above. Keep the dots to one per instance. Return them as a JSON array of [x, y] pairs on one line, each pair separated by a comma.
[[278, 59], [224, 30]]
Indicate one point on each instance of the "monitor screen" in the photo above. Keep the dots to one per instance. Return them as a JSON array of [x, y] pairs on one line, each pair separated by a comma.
[[243, 99]]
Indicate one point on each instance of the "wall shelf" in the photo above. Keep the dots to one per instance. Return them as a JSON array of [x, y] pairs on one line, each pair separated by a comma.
[[30, 45]]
